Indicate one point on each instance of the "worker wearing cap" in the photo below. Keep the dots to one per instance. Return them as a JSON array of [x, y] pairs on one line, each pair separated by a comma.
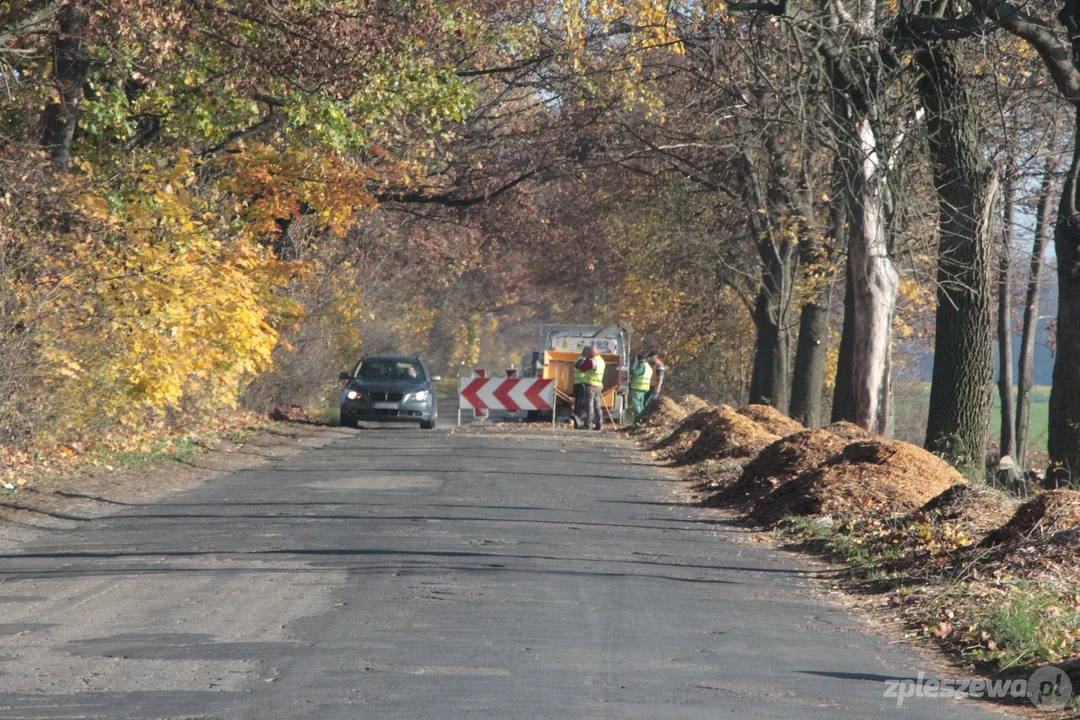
[[592, 367], [641, 376], [657, 382]]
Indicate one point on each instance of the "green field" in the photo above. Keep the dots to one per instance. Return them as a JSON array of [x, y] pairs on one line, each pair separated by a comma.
[[912, 400], [1038, 429]]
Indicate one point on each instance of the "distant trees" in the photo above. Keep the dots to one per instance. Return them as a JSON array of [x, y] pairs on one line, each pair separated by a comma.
[[173, 170], [781, 164], [1052, 40], [1026, 369], [865, 57]]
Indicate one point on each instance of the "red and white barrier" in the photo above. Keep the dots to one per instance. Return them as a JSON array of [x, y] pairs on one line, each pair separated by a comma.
[[506, 394], [478, 413]]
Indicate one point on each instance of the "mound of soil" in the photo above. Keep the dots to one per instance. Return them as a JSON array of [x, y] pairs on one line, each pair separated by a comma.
[[869, 478], [1052, 512], [973, 510], [727, 434], [687, 431], [693, 403], [660, 415], [772, 420], [849, 431], [780, 462]]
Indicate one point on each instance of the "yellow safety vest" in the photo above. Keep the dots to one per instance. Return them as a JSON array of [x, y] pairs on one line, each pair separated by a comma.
[[579, 377], [643, 381], [595, 376]]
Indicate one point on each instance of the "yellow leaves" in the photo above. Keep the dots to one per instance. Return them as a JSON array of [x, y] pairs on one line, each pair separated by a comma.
[[651, 25], [166, 309]]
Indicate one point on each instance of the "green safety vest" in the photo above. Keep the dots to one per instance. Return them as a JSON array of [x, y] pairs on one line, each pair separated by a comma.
[[643, 381], [579, 377], [595, 377]]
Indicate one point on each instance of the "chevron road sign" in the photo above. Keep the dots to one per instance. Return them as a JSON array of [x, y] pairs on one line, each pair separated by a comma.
[[478, 412], [506, 393]]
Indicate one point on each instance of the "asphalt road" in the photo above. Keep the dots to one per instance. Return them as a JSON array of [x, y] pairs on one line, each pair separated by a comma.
[[397, 573]]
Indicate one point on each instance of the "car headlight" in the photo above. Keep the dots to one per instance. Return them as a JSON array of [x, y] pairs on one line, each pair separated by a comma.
[[419, 396], [351, 394]]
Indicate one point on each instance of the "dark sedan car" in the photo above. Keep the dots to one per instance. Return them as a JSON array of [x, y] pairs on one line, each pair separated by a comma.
[[389, 388]]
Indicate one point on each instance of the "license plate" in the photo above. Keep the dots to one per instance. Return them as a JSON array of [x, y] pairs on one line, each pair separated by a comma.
[[385, 406]]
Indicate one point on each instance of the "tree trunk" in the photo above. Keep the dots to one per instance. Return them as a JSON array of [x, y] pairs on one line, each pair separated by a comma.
[[875, 283], [808, 378], [812, 352], [772, 358], [1007, 439], [71, 67], [842, 405], [1026, 374], [1064, 443], [960, 393]]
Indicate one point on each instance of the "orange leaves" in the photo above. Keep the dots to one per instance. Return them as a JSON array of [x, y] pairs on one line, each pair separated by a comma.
[[285, 184]]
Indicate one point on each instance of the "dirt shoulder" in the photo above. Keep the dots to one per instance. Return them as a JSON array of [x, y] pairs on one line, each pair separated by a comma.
[[100, 489]]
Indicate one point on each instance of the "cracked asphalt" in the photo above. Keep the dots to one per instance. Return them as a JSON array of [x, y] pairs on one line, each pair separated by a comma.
[[395, 574]]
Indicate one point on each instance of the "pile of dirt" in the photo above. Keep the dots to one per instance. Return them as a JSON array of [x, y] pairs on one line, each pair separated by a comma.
[[869, 478], [693, 403], [727, 434], [1052, 512], [972, 510], [780, 462], [660, 415], [772, 420], [849, 431], [686, 432]]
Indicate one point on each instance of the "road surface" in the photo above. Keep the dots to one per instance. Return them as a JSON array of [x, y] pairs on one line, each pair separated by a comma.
[[404, 574]]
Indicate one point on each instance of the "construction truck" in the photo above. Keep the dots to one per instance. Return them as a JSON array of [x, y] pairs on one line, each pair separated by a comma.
[[559, 347]]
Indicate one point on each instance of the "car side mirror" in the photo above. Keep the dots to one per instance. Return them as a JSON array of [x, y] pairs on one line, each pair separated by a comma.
[[344, 375], [436, 378]]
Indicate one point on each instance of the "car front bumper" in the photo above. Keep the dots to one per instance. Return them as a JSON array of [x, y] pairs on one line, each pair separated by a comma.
[[363, 410]]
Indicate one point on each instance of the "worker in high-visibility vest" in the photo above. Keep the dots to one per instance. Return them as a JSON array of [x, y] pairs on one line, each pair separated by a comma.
[[659, 371], [640, 382], [579, 382], [592, 380]]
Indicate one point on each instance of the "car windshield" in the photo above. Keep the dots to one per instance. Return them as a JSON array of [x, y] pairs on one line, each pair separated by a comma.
[[389, 370]]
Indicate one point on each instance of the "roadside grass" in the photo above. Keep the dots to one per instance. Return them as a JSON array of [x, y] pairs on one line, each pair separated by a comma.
[[995, 623], [331, 415], [125, 452], [844, 542], [1001, 625], [181, 449], [1030, 624]]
